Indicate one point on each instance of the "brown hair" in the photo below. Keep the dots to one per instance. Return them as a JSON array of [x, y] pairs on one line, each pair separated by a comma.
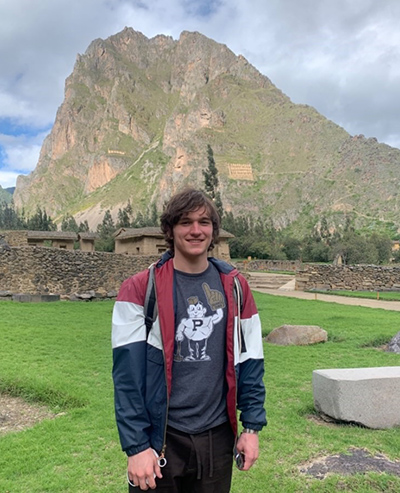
[[188, 200]]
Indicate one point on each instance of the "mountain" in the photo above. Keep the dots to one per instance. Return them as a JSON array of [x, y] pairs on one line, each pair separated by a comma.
[[5, 195], [137, 117]]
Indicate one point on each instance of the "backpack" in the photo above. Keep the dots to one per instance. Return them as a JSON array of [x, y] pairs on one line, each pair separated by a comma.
[[150, 312]]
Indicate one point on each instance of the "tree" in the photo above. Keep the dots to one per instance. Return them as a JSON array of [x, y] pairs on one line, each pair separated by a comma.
[[314, 250], [69, 224], [148, 218], [354, 248], [211, 181], [124, 216], [106, 230], [292, 248], [383, 246], [9, 218], [40, 221], [83, 227]]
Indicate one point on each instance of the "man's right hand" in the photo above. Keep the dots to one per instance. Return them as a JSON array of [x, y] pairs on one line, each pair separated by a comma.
[[143, 468]]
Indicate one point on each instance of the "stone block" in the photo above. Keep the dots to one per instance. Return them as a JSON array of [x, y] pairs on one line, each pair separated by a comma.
[[35, 298], [50, 297], [368, 396], [22, 298]]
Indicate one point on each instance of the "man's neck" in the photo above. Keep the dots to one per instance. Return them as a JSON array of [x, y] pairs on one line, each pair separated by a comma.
[[191, 266]]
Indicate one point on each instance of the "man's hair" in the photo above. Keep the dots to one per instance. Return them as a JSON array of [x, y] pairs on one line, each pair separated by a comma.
[[188, 200]]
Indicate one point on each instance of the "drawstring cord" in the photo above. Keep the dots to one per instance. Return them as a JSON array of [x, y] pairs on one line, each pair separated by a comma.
[[198, 455], [198, 458], [211, 453]]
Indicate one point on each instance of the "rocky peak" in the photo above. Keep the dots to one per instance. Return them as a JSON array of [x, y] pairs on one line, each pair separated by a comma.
[[138, 115]]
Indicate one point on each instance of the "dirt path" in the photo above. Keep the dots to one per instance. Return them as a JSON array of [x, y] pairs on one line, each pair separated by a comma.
[[288, 290]]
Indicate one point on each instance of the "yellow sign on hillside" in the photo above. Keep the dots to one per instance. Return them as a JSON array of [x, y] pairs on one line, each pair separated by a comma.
[[241, 172]]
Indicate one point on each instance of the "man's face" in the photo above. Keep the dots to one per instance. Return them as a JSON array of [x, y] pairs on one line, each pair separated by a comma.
[[193, 234]]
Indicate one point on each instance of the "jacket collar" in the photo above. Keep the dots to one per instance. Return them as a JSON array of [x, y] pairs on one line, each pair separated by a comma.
[[222, 266]]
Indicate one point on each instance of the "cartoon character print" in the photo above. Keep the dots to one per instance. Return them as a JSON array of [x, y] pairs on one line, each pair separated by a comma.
[[198, 327]]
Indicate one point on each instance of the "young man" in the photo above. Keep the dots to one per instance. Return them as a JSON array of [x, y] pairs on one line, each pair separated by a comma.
[[177, 389]]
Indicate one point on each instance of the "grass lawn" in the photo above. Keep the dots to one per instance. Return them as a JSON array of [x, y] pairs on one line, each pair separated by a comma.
[[59, 354]]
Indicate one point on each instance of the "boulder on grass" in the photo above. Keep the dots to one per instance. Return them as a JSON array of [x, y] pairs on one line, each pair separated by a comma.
[[297, 335], [394, 344]]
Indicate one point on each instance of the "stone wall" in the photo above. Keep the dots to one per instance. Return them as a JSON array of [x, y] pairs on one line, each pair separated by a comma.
[[15, 237], [348, 277], [256, 265], [41, 270]]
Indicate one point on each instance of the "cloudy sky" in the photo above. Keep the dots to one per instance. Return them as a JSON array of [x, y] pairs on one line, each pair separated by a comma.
[[340, 56]]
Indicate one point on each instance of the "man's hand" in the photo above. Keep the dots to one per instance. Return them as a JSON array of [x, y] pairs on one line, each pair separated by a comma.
[[247, 445], [143, 468]]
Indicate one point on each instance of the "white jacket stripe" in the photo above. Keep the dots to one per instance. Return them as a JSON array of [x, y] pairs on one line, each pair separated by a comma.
[[127, 324], [251, 328]]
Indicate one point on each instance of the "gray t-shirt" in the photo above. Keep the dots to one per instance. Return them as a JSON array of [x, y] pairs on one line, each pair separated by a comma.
[[198, 397]]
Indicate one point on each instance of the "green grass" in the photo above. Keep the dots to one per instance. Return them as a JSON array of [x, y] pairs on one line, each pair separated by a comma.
[[59, 354], [373, 295]]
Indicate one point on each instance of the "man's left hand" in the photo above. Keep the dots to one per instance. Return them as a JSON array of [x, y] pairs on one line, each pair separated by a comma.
[[247, 445]]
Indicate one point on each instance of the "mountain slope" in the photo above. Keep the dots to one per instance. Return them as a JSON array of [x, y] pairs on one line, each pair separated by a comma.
[[5, 195], [137, 117]]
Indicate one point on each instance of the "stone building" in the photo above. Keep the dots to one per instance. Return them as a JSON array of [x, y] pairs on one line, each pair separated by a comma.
[[139, 241], [86, 241], [56, 239], [150, 241]]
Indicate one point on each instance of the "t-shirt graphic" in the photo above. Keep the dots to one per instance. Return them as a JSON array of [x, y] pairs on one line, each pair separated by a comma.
[[198, 326]]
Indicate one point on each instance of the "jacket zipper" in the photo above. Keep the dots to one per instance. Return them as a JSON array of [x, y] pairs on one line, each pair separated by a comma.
[[162, 453], [236, 304], [164, 446]]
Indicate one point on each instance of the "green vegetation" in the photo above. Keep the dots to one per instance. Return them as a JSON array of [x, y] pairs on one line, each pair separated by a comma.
[[69, 224], [126, 219], [106, 229], [5, 196], [10, 218], [59, 354], [260, 239], [211, 181]]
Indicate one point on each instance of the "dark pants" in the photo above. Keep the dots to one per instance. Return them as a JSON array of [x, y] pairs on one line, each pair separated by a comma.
[[199, 463]]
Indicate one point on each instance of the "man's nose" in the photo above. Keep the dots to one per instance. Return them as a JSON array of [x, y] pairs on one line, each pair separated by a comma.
[[195, 229]]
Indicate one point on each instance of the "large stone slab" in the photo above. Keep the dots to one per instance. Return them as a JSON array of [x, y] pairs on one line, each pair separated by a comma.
[[297, 335], [368, 396]]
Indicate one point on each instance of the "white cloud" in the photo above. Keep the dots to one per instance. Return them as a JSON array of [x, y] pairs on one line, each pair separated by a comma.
[[20, 153], [8, 178]]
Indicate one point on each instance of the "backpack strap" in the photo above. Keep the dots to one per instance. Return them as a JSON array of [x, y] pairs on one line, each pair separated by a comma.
[[150, 301], [238, 294]]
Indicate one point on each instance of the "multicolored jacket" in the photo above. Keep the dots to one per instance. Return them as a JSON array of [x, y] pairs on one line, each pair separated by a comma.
[[142, 365]]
